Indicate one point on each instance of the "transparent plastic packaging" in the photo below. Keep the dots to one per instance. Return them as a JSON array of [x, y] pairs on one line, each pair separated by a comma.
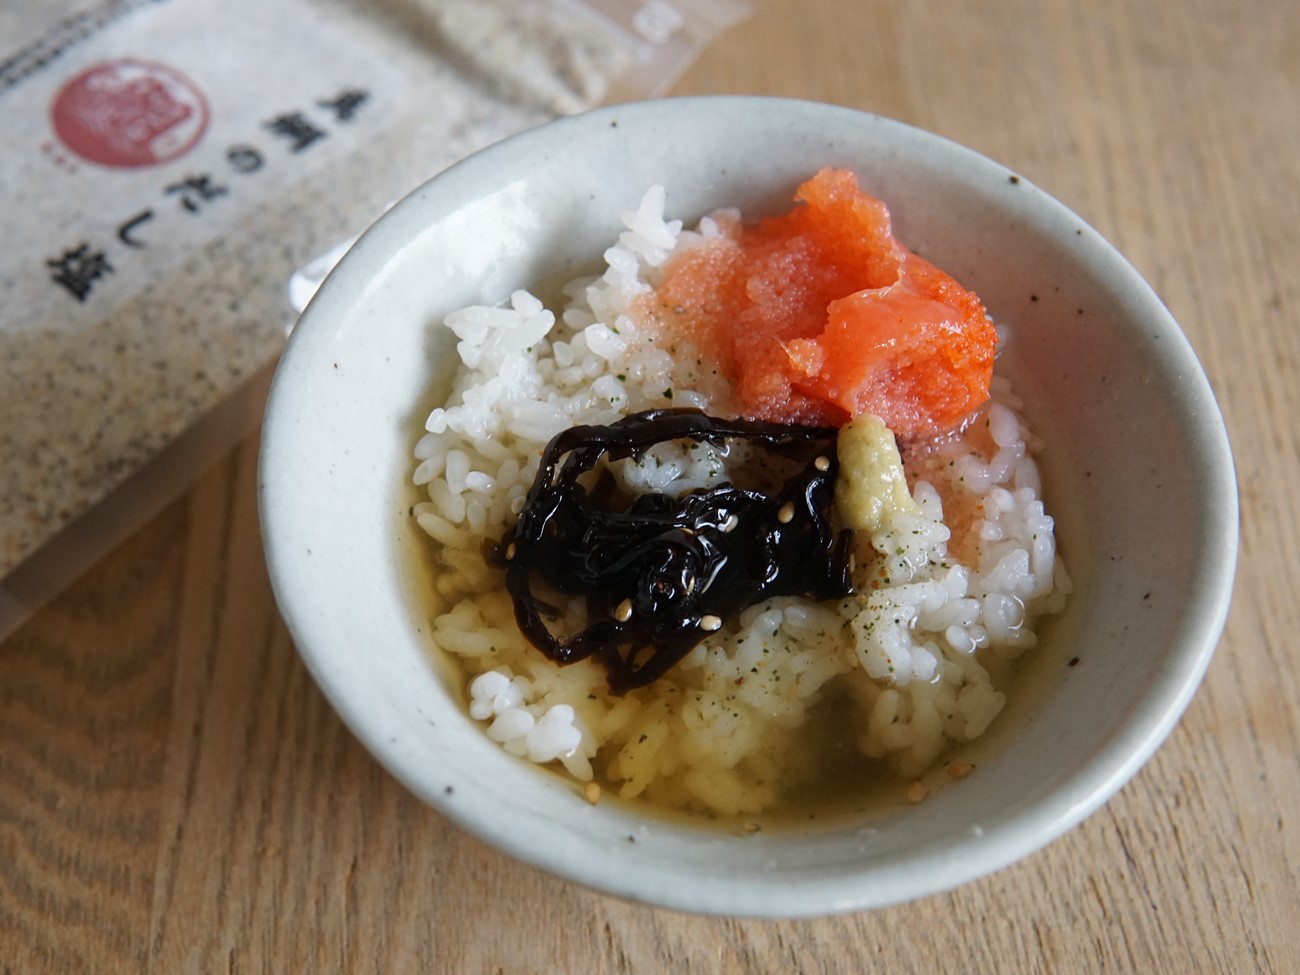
[[178, 177]]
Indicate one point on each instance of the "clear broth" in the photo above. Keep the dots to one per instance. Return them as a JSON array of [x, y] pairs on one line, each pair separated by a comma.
[[843, 785]]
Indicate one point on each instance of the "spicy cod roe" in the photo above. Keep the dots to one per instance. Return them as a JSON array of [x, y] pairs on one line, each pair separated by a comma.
[[821, 314]]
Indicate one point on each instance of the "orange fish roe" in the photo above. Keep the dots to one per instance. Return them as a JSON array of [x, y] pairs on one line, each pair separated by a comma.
[[821, 314]]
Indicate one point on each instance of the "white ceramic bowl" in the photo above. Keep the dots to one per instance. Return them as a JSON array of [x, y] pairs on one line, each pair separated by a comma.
[[1137, 470]]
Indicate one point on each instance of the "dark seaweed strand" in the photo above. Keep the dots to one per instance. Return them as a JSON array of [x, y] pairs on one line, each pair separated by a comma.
[[655, 573]]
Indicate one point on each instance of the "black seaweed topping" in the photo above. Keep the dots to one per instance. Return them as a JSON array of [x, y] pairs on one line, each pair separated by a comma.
[[660, 573]]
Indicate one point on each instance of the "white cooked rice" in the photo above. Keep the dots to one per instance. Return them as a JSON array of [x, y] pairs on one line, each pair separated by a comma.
[[911, 651]]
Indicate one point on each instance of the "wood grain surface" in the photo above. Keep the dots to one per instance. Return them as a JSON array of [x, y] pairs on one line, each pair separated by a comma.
[[176, 795]]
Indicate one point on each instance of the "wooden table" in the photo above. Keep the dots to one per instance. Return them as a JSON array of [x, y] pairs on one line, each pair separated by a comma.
[[176, 795]]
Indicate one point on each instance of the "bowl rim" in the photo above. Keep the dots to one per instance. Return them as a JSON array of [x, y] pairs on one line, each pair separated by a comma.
[[935, 869]]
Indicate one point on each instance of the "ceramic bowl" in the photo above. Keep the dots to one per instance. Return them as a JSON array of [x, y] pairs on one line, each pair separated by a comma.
[[1137, 470]]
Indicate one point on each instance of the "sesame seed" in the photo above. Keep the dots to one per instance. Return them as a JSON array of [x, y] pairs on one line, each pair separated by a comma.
[[510, 551], [822, 463], [959, 770], [710, 622], [917, 792], [591, 793], [786, 514], [623, 611]]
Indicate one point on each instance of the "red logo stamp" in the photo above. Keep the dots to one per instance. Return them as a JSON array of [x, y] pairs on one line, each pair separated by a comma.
[[127, 114]]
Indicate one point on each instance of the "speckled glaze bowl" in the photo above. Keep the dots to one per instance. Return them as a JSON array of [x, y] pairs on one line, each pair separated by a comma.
[[1137, 470]]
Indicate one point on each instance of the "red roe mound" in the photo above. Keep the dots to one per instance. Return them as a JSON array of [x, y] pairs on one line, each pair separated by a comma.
[[821, 315]]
